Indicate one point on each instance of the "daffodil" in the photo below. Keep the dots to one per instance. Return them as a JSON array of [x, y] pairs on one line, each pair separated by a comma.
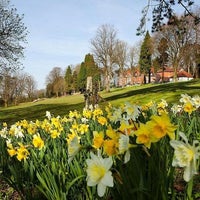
[[102, 120], [145, 136], [98, 139], [11, 150], [185, 98], [124, 146], [74, 146], [54, 133], [48, 115], [22, 152], [131, 111], [196, 101], [188, 107], [162, 126], [110, 147], [38, 142], [83, 128], [186, 156], [176, 108], [98, 173]]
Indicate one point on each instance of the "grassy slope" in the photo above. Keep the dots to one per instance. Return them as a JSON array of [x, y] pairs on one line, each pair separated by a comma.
[[137, 94]]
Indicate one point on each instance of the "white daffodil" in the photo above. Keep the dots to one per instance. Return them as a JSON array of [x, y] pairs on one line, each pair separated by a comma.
[[196, 101], [186, 156], [73, 146], [48, 115], [98, 173], [176, 108], [117, 115], [17, 131], [185, 98], [124, 147], [132, 111]]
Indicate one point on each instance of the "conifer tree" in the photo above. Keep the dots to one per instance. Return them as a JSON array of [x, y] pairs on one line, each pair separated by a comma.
[[82, 77], [145, 57], [68, 79]]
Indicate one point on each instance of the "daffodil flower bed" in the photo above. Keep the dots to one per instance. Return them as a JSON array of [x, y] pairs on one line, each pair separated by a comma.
[[108, 153]]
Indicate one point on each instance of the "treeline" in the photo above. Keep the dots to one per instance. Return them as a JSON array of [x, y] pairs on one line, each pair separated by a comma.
[[72, 80]]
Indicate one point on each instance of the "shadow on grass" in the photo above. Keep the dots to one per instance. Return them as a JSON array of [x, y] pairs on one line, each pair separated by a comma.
[[37, 112], [188, 88]]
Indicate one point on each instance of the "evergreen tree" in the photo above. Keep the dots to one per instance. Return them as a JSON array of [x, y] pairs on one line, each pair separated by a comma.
[[75, 81], [92, 68], [68, 79], [82, 77], [145, 57]]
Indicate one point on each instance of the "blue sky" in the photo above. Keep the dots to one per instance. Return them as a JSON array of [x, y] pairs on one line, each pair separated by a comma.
[[60, 30]]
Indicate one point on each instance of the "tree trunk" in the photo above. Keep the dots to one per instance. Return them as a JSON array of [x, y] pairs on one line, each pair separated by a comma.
[[107, 83]]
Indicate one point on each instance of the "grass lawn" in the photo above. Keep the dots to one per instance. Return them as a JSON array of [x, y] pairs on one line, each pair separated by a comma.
[[136, 94]]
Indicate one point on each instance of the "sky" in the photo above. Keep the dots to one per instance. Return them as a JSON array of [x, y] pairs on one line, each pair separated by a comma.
[[60, 31]]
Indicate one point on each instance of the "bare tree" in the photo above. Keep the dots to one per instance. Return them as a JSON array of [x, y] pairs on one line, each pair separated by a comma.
[[180, 36], [121, 54], [30, 86], [103, 48], [55, 81], [12, 36], [133, 55]]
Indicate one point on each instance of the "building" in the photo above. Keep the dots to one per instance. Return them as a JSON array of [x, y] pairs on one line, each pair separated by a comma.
[[134, 77]]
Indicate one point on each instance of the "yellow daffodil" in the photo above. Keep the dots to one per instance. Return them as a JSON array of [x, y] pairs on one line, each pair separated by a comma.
[[188, 107], [111, 133], [83, 128], [31, 129], [102, 120], [186, 156], [22, 152], [161, 126], [126, 128], [97, 112], [74, 114], [54, 133], [38, 142], [145, 136], [87, 113], [98, 139], [110, 147], [98, 173], [11, 150]]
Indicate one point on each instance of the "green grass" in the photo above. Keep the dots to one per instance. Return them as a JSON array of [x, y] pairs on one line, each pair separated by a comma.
[[136, 94]]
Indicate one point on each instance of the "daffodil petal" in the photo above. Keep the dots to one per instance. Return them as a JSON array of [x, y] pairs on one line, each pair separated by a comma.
[[101, 189], [107, 180]]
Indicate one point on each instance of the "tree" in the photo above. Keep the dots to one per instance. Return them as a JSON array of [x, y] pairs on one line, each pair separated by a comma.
[[92, 69], [82, 77], [75, 81], [145, 57], [163, 10], [30, 86], [121, 54], [103, 48], [68, 79], [162, 58], [12, 36], [55, 82], [182, 36]]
